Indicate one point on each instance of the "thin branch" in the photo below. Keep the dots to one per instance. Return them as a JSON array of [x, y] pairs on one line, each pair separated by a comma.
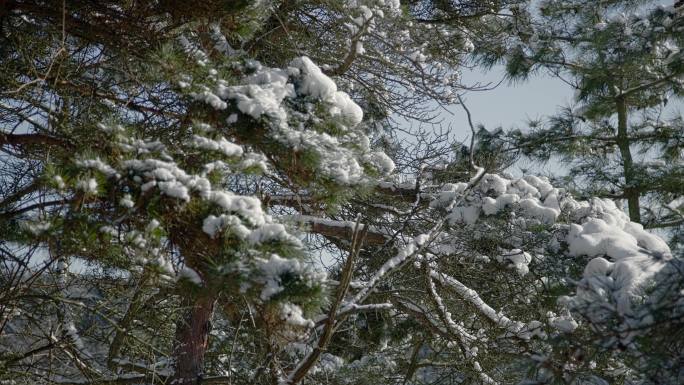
[[642, 87], [471, 158], [10, 214], [30, 139], [332, 321], [341, 229]]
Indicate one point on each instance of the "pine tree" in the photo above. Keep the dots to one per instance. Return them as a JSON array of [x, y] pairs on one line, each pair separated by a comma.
[[172, 169], [139, 142], [623, 58]]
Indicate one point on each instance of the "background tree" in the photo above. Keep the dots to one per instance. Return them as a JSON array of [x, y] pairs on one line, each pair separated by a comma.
[[624, 138]]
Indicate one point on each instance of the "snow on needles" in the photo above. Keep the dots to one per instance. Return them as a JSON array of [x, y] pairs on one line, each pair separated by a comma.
[[315, 83], [276, 267], [271, 92], [626, 256], [151, 169], [623, 256]]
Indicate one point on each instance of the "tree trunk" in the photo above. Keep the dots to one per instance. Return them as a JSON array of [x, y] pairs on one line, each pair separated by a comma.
[[192, 337], [631, 190]]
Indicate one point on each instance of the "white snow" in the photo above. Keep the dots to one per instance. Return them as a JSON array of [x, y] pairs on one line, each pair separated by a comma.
[[272, 232], [626, 257], [247, 207], [315, 83], [126, 201], [564, 323], [676, 203], [211, 99], [88, 186], [273, 268], [59, 182], [190, 275], [464, 214], [293, 315], [634, 255], [264, 94], [35, 227], [213, 224], [518, 259], [515, 328], [381, 161], [98, 165], [221, 144], [220, 42]]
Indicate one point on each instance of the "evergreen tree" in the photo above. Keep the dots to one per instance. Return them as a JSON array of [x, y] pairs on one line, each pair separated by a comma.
[[144, 139], [623, 140], [171, 171]]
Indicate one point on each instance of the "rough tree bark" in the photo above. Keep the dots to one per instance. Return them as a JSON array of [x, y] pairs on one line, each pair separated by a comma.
[[631, 190], [192, 338]]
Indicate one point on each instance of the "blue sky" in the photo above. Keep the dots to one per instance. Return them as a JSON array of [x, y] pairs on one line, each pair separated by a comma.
[[509, 105]]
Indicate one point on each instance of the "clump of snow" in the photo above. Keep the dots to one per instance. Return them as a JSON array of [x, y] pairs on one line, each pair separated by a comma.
[[464, 214], [213, 224], [492, 206], [211, 99], [109, 230], [564, 322], [222, 145], [136, 239], [292, 314], [272, 232], [494, 183], [448, 193], [272, 269], [263, 95], [328, 363], [336, 160], [168, 177], [626, 256], [153, 225], [314, 82], [468, 45], [89, 186], [126, 201], [518, 260], [220, 42], [175, 182], [534, 197], [71, 331], [266, 232], [535, 209], [59, 182], [35, 227], [98, 165], [162, 264], [190, 275], [254, 160], [381, 162], [676, 203], [247, 207]]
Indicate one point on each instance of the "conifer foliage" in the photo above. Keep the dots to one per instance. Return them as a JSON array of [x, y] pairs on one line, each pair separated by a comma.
[[172, 172], [623, 136]]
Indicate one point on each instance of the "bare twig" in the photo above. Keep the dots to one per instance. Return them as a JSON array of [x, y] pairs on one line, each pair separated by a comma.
[[472, 134], [333, 320]]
